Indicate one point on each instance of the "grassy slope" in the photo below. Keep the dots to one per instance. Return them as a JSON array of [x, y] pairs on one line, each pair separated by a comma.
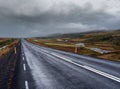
[[107, 40], [11, 43]]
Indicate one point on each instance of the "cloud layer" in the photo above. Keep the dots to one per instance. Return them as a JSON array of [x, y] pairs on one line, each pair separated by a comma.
[[22, 18]]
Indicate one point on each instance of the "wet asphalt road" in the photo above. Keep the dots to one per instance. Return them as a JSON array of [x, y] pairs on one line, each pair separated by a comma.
[[45, 68], [8, 64]]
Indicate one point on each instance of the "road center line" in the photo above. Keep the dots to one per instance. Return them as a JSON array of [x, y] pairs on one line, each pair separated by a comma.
[[112, 77], [24, 67], [26, 85]]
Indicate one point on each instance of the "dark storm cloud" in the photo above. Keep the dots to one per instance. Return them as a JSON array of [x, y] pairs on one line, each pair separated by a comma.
[[22, 17], [75, 14]]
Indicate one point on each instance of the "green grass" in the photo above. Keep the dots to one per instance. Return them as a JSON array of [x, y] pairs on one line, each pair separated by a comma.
[[6, 42]]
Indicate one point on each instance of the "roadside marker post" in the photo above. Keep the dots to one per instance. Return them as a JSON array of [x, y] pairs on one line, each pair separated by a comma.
[[76, 49], [15, 50]]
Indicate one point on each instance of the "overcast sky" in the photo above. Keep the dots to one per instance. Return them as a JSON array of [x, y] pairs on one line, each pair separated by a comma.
[[28, 18]]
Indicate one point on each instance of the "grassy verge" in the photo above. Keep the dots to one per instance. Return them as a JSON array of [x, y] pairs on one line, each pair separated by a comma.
[[105, 40], [10, 44], [6, 42], [51, 43], [68, 48]]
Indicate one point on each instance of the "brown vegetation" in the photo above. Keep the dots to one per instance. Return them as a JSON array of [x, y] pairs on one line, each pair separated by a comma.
[[9, 46], [80, 50], [106, 40]]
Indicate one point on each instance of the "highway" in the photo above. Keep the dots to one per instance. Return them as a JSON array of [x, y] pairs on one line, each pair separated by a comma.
[[46, 68]]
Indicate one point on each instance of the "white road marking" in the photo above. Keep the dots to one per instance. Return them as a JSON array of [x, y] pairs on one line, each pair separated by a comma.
[[44, 51], [26, 85], [24, 67], [23, 58], [112, 77]]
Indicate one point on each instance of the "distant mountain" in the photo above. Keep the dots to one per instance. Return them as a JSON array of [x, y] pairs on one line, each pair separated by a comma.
[[78, 34]]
